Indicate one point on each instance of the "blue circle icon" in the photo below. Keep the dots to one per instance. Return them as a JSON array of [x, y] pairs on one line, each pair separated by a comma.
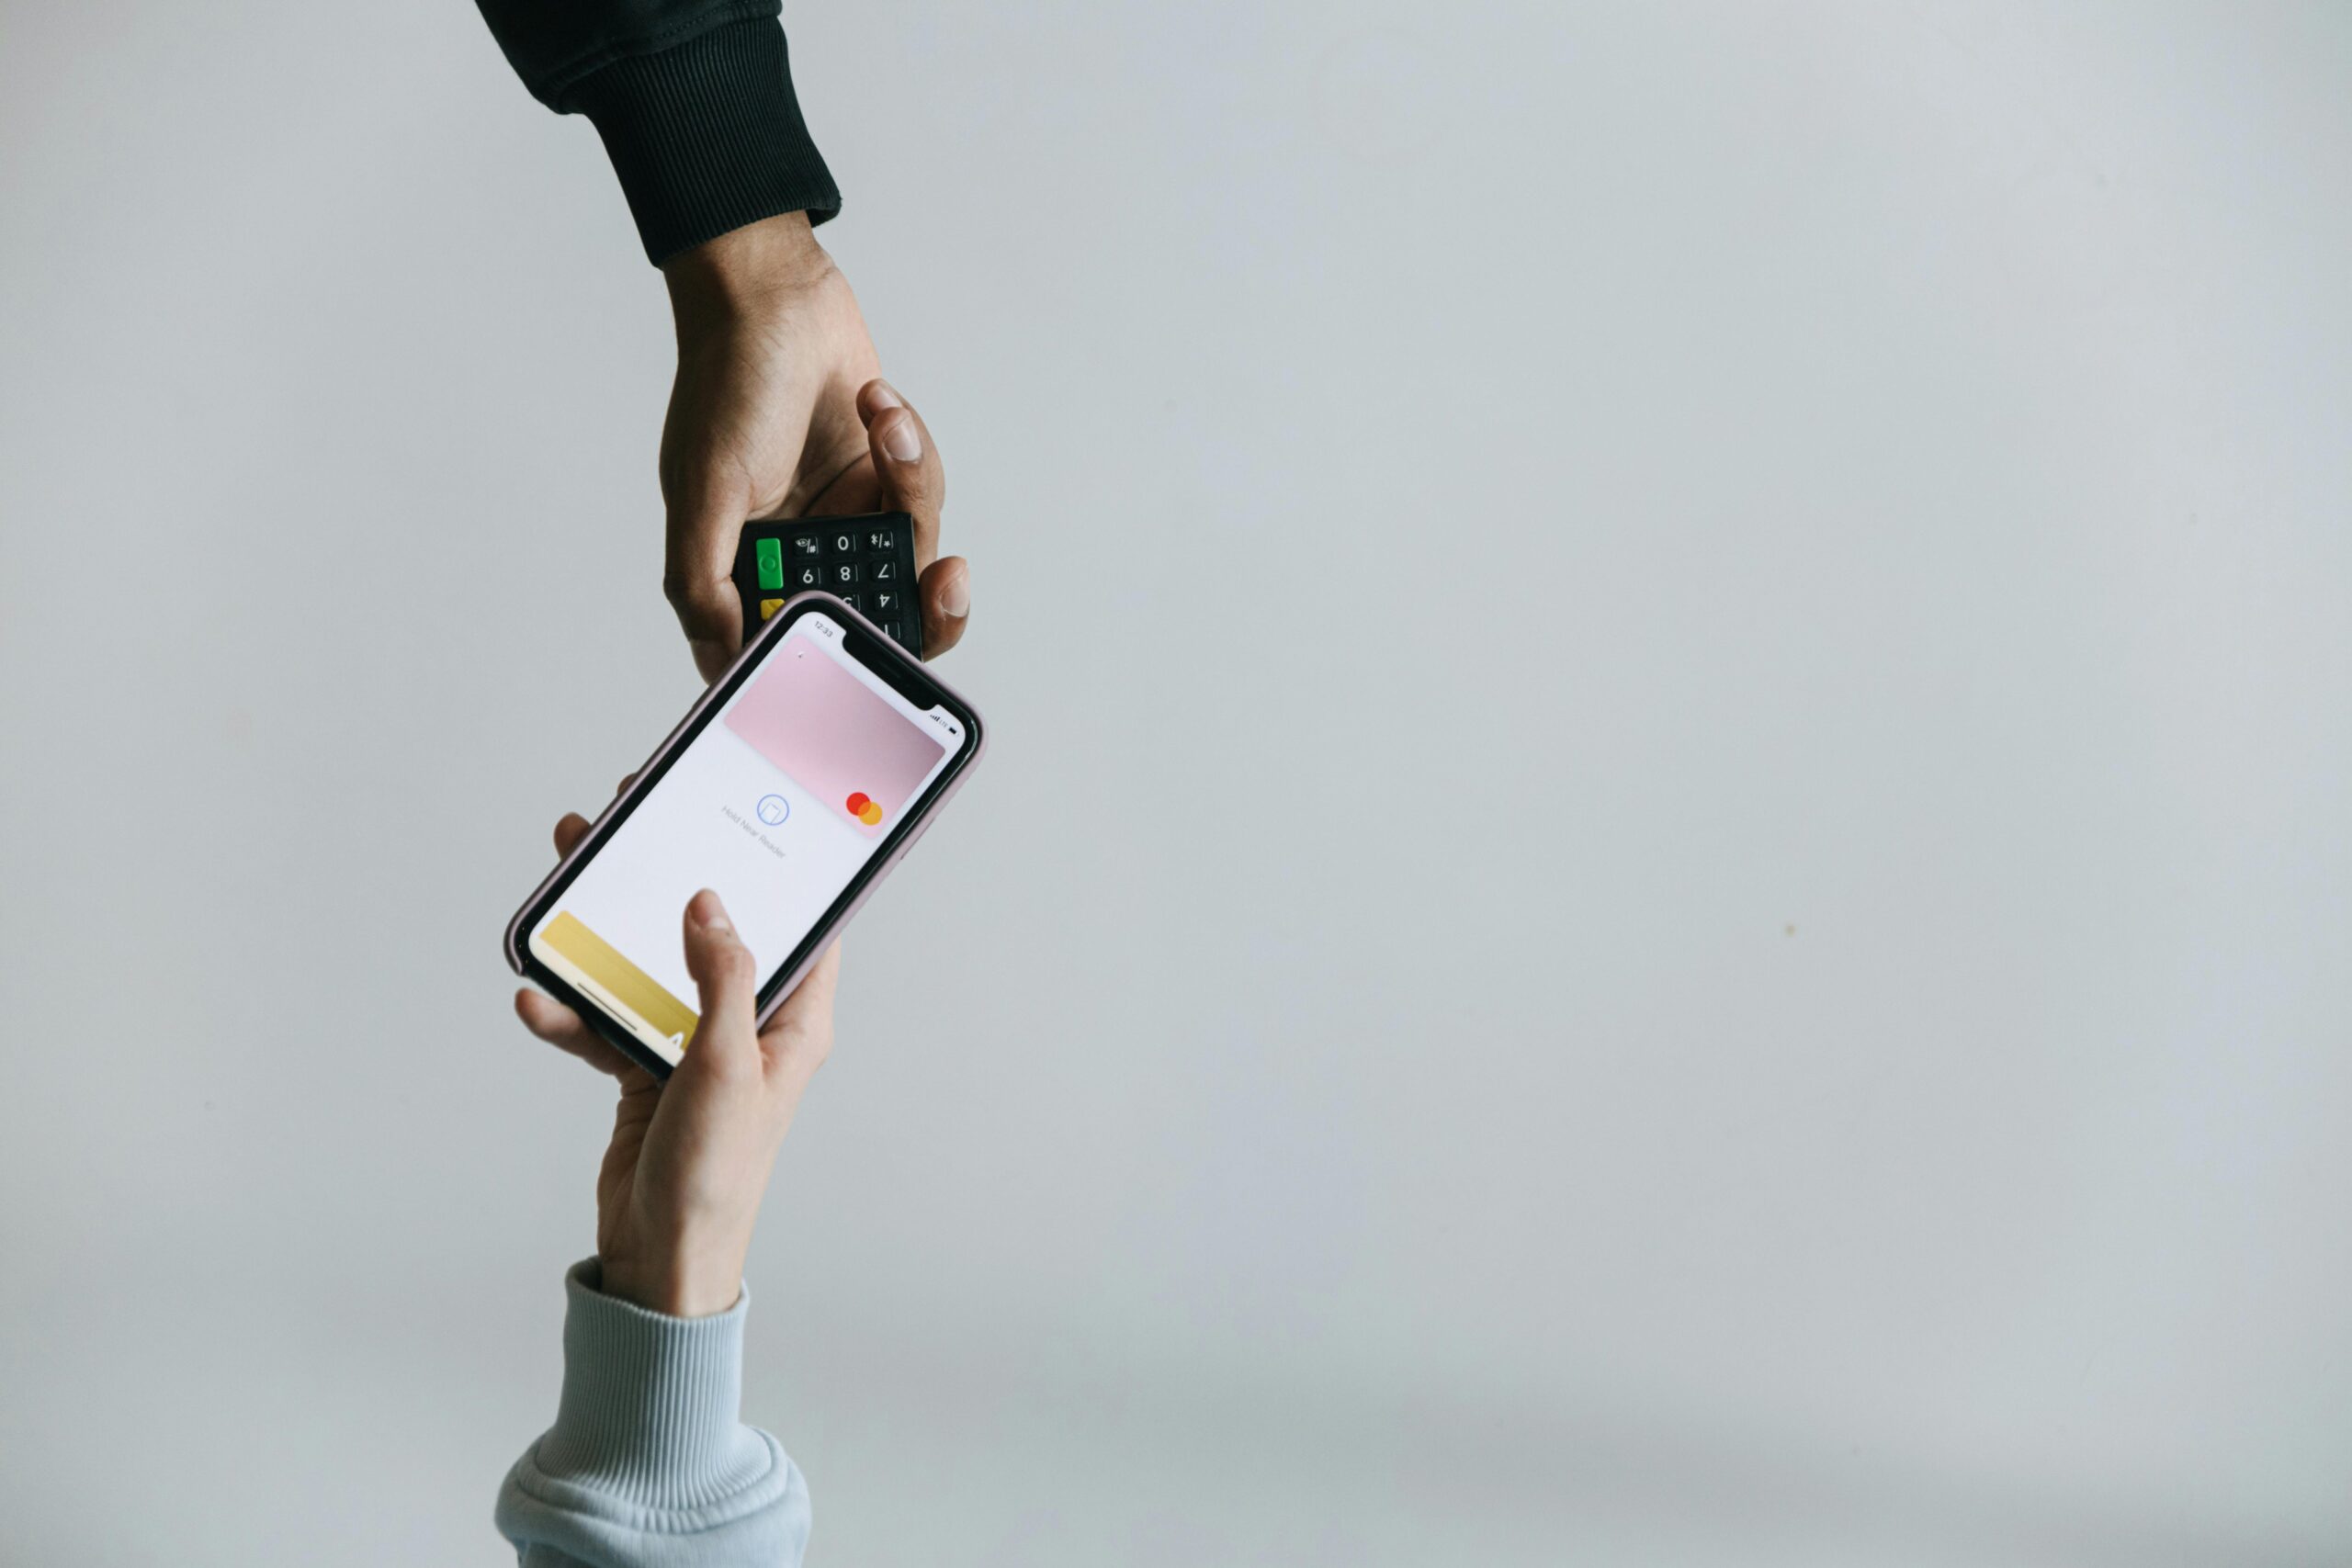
[[772, 809]]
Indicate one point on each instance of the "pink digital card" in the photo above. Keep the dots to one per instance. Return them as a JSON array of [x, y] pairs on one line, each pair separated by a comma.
[[837, 736]]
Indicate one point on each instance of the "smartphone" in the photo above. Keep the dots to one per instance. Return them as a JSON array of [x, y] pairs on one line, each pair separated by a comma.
[[803, 776]]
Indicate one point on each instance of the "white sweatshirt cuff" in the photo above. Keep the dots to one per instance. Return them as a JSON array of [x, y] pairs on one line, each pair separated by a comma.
[[652, 1413], [648, 1463]]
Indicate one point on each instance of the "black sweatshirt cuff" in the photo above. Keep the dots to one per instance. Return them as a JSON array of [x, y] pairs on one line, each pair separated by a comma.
[[706, 137]]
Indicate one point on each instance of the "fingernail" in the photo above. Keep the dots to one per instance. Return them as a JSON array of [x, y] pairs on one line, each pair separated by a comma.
[[887, 396], [710, 914], [900, 440], [956, 599]]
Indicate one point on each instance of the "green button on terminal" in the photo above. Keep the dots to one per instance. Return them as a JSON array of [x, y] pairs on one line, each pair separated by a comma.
[[868, 560]]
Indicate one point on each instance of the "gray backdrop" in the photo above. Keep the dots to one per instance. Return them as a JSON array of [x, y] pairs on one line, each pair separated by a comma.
[[1665, 872]]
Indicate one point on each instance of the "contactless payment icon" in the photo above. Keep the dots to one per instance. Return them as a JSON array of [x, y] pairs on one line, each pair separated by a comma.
[[860, 805]]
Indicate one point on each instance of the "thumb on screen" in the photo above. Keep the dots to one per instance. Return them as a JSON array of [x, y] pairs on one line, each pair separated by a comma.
[[726, 1040]]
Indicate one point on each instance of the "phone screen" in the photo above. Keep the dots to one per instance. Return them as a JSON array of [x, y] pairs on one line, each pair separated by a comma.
[[786, 791]]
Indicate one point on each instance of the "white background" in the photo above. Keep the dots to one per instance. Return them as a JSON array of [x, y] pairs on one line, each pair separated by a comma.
[[1664, 873]]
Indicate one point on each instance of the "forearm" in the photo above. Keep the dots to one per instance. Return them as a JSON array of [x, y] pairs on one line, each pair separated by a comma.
[[694, 100], [649, 1465]]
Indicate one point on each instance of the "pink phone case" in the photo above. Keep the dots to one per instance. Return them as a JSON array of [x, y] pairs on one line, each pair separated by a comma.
[[757, 649]]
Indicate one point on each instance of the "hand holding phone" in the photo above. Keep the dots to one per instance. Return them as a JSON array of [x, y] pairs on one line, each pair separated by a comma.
[[792, 786], [681, 1182], [770, 746]]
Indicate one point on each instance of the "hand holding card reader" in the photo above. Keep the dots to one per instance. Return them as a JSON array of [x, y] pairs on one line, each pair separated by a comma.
[[868, 562]]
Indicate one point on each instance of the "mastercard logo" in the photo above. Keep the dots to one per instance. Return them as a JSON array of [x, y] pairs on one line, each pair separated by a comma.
[[860, 805]]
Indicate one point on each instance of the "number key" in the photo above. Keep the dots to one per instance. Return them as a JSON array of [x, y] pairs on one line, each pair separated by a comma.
[[840, 574]]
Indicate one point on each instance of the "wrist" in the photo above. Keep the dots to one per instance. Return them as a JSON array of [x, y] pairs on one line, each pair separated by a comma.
[[679, 1284], [744, 270]]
